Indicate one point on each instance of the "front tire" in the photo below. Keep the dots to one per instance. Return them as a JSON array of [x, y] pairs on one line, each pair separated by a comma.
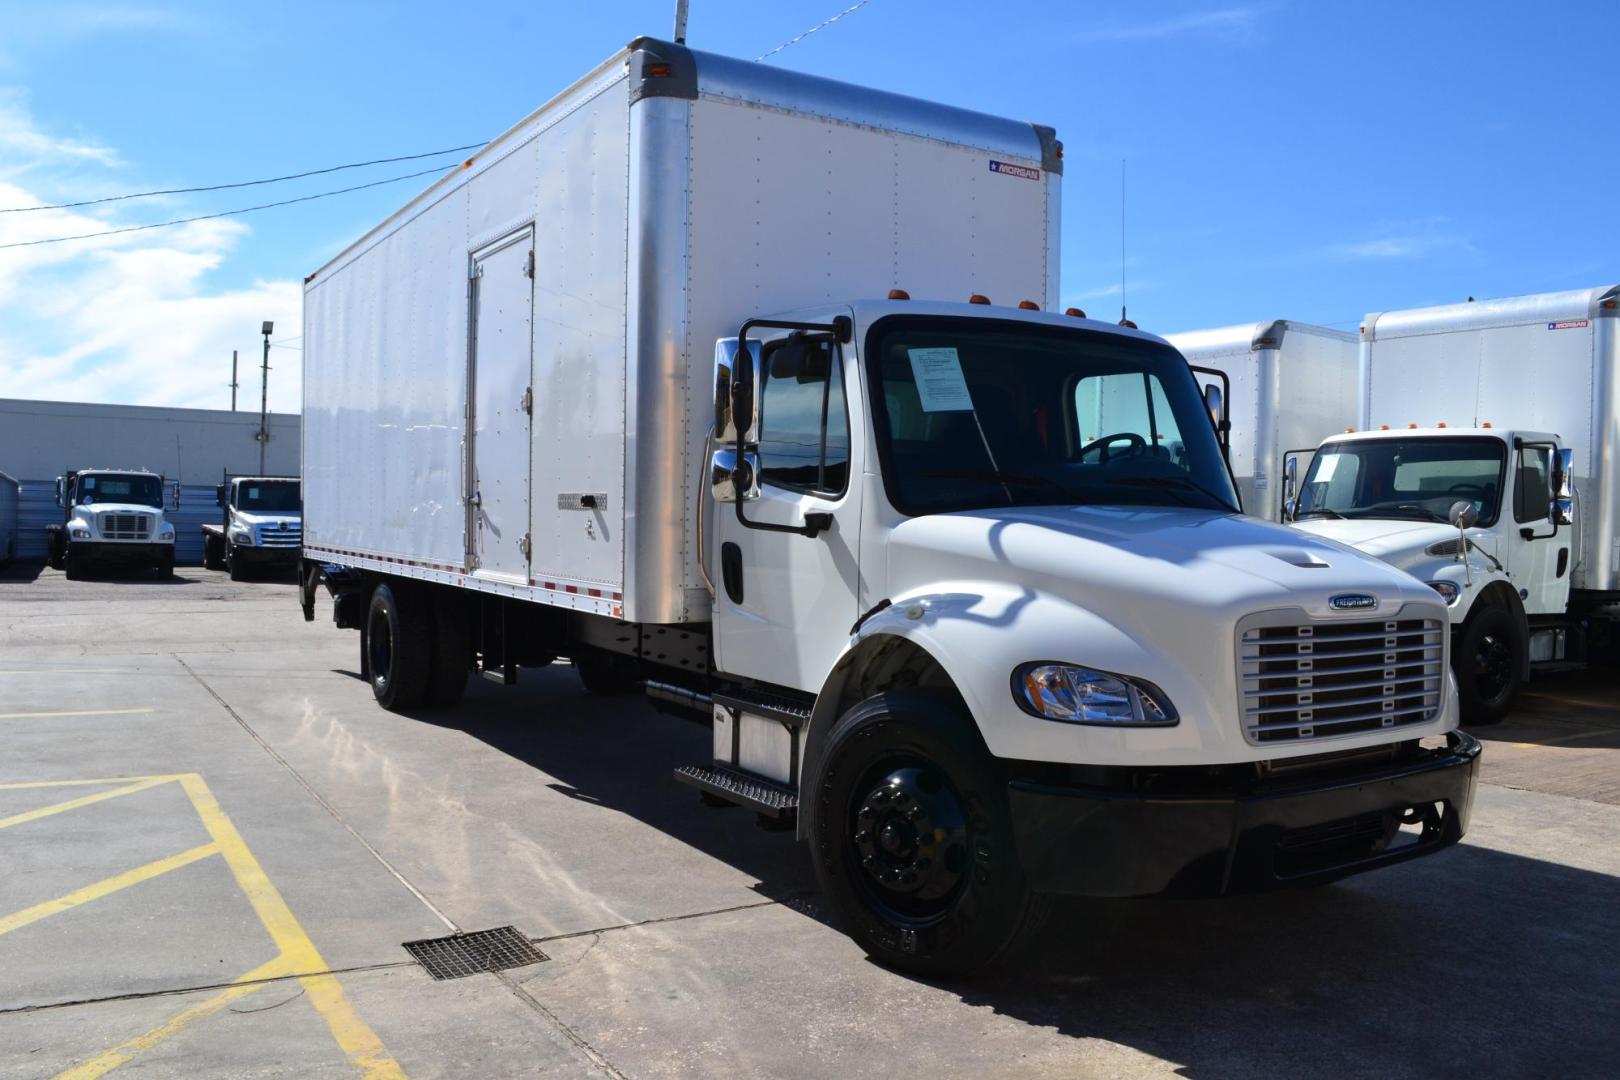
[[399, 647], [234, 565], [1490, 664], [73, 565], [912, 838]]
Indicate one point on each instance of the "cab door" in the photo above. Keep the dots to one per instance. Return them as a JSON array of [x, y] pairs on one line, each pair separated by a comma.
[[784, 601], [1539, 553]]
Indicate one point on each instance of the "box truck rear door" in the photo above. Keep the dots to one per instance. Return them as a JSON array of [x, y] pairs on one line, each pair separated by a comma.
[[499, 407]]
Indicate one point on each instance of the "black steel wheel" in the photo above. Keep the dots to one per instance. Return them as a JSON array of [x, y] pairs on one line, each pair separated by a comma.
[[912, 840], [1490, 664], [398, 646]]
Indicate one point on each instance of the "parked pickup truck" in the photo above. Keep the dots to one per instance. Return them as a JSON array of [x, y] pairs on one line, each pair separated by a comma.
[[112, 517], [262, 524]]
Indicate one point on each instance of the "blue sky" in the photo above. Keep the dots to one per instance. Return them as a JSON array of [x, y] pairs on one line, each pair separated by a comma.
[[1296, 159]]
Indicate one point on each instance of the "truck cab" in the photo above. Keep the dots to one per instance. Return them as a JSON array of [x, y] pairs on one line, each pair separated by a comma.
[[1480, 515], [112, 517], [261, 525]]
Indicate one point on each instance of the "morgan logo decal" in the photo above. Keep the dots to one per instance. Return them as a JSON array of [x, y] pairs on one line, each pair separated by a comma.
[[1006, 168], [1352, 601], [1568, 324]]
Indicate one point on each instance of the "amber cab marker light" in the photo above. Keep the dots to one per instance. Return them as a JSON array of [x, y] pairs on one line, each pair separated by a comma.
[[1486, 424], [899, 294], [1411, 427], [1028, 305], [1074, 312], [1383, 427], [978, 298], [1127, 324], [1441, 424], [1349, 431], [660, 71], [1609, 304]]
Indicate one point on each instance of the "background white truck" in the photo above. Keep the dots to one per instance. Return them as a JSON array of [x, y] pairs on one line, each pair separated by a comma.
[[112, 518], [964, 583], [262, 525], [1511, 407], [1291, 384]]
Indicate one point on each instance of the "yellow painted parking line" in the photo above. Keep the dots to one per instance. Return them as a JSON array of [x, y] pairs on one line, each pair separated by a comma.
[[295, 951], [83, 800], [104, 1063], [358, 1041], [104, 887], [72, 712], [24, 784]]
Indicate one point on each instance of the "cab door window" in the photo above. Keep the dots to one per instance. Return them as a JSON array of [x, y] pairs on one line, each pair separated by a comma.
[[1532, 500], [803, 421]]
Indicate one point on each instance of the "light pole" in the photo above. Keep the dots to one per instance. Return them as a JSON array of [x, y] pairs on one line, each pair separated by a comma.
[[264, 395], [233, 380]]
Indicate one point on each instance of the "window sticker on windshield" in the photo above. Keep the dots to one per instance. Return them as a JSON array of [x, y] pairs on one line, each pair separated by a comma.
[[940, 384], [1327, 467]]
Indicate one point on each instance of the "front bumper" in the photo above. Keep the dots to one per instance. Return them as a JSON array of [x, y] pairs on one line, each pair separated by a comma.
[[108, 553], [1286, 831], [266, 556]]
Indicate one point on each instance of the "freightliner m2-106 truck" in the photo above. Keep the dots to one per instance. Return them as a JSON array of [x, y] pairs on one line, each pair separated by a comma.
[[930, 570], [1510, 509], [262, 526], [112, 518]]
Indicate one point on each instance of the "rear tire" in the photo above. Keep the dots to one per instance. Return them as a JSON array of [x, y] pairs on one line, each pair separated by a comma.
[[912, 839], [399, 646], [452, 650], [212, 558], [1490, 664], [606, 675]]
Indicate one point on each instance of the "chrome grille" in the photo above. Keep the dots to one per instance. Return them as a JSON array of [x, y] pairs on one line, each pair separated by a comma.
[[1300, 679], [281, 534], [126, 526]]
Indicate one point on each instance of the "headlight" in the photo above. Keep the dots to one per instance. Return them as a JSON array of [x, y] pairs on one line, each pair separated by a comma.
[[166, 533], [241, 535], [1448, 592], [79, 534], [1080, 695]]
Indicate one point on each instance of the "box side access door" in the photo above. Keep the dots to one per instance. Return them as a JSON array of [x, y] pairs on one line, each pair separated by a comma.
[[499, 407]]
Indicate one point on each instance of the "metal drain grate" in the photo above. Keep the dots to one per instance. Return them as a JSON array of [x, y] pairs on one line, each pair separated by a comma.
[[460, 955]]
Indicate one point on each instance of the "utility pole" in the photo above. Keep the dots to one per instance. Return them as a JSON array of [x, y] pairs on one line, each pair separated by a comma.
[[264, 396], [233, 380]]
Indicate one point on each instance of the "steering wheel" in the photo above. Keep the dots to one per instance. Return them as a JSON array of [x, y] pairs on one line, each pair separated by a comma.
[[1459, 489], [1134, 442]]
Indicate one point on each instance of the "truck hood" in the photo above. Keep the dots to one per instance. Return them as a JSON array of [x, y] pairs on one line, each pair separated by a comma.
[[245, 517], [1399, 542], [1139, 566]]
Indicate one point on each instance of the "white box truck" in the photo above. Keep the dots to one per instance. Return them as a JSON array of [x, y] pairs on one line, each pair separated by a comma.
[[1501, 417], [618, 390], [1292, 385]]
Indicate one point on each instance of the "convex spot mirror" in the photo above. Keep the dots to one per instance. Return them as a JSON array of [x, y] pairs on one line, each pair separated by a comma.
[[1463, 515], [728, 478], [1563, 495], [1215, 401]]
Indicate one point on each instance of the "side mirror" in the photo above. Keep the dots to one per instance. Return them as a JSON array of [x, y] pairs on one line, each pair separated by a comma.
[[1563, 487], [1288, 509], [1290, 478], [1463, 515], [736, 392], [61, 492], [219, 495], [1215, 401], [728, 479]]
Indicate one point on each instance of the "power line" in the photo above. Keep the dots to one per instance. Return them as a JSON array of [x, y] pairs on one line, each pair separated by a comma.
[[819, 26], [239, 184], [221, 214]]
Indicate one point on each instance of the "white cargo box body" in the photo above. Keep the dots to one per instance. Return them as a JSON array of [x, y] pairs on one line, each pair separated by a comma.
[[1293, 385], [666, 197], [1546, 362]]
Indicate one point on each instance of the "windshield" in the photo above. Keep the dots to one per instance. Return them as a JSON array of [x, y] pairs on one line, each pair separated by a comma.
[[272, 496], [974, 414], [1404, 478], [115, 488]]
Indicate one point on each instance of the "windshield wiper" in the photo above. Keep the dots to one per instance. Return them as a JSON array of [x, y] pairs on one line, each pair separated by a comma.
[[1425, 511], [1322, 510], [1174, 482]]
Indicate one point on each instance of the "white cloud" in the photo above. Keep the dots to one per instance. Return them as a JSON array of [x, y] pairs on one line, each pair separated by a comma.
[[131, 319], [1234, 25], [1411, 240]]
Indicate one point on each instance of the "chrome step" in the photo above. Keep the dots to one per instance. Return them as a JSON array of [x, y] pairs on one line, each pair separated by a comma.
[[770, 799]]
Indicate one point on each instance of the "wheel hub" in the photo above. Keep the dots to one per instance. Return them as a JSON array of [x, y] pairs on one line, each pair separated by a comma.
[[911, 835]]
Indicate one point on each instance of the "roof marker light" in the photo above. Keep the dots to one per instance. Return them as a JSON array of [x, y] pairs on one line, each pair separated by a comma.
[[1028, 305], [659, 71], [1383, 427], [1609, 304], [1486, 424], [1441, 424], [978, 298], [1127, 324], [1349, 431], [899, 294], [1074, 312], [1411, 427]]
